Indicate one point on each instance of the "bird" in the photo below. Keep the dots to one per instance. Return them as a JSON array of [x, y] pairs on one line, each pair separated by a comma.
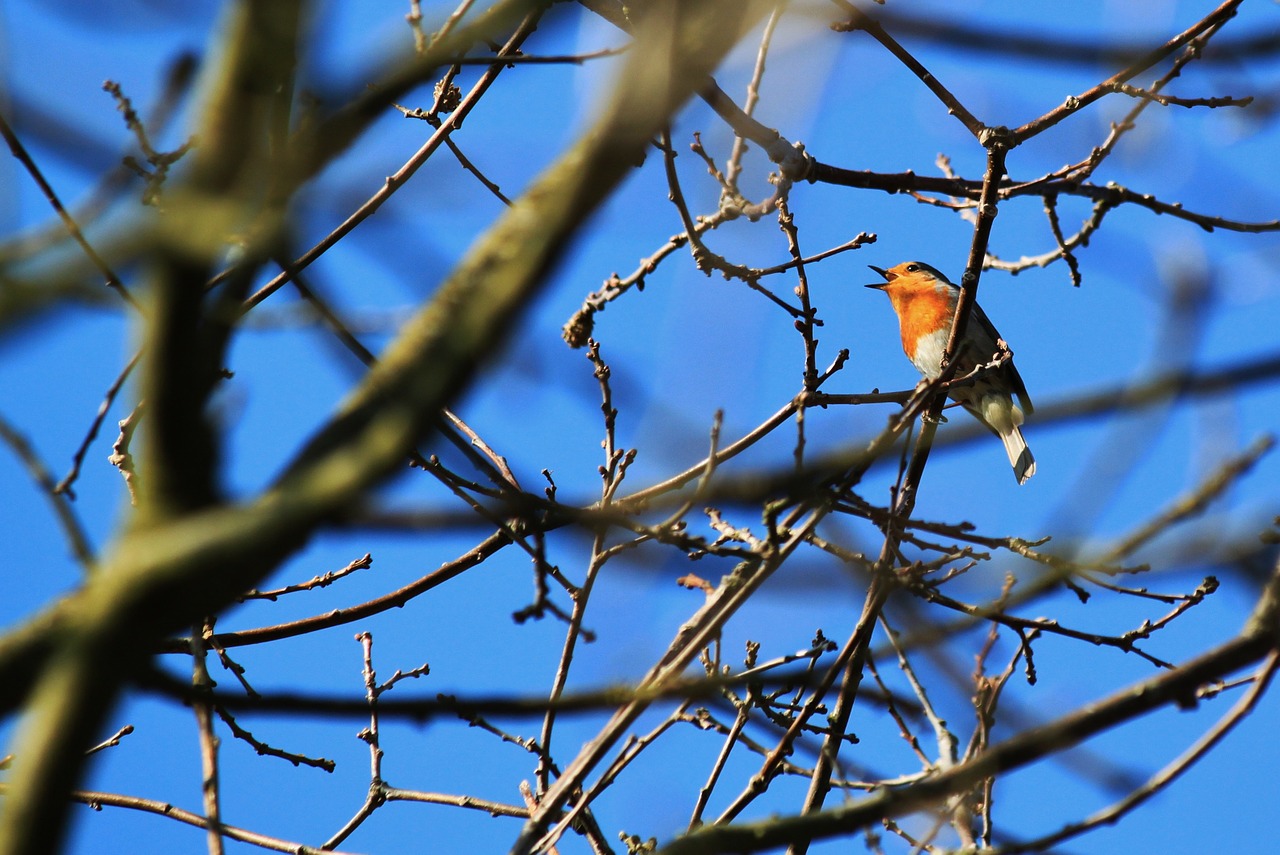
[[925, 303]]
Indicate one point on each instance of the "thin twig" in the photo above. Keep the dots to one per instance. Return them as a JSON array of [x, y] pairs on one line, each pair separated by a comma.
[[165, 809], [201, 684], [19, 152], [72, 530]]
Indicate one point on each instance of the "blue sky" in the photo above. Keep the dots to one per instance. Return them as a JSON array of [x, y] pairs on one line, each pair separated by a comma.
[[681, 349]]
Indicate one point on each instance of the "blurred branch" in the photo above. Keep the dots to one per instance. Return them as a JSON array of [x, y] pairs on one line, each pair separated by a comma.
[[534, 59], [443, 130], [1166, 776], [754, 487], [191, 553], [100, 632], [1074, 103], [48, 125], [987, 41], [77, 538], [1192, 503], [1188, 384], [861, 21], [785, 537], [19, 151], [188, 565], [327, 140], [1061, 569], [1256, 641], [857, 648], [507, 706]]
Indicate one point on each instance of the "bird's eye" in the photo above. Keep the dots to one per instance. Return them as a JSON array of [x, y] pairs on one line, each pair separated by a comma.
[[912, 268]]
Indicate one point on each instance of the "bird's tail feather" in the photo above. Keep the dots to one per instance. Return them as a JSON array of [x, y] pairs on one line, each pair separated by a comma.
[[1024, 465]]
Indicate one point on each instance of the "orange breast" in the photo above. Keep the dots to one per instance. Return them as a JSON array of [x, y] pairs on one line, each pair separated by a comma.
[[921, 312]]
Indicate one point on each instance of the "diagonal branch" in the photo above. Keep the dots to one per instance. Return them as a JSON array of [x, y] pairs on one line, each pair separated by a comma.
[[1075, 102], [170, 574], [1256, 641]]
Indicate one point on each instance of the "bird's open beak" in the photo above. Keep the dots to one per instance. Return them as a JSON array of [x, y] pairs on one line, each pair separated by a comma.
[[879, 286]]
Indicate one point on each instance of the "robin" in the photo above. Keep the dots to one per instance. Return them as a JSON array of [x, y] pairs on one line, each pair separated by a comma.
[[925, 302]]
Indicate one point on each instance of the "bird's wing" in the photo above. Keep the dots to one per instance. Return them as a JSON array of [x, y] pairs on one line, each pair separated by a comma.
[[985, 336]]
